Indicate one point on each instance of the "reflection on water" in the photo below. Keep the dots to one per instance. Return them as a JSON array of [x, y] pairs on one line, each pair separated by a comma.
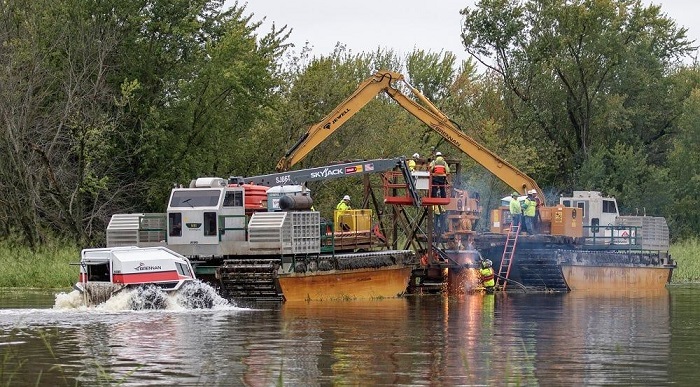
[[528, 339]]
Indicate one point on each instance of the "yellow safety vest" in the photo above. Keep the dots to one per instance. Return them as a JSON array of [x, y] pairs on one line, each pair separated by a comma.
[[530, 207], [487, 276]]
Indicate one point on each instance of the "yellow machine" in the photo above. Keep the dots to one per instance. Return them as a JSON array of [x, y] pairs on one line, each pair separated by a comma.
[[352, 220], [428, 113], [557, 220]]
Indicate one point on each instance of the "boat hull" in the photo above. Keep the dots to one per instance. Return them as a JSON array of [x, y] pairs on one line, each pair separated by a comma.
[[616, 278], [557, 265], [350, 284]]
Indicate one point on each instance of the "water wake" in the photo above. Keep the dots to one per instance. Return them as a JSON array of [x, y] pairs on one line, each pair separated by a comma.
[[192, 295]]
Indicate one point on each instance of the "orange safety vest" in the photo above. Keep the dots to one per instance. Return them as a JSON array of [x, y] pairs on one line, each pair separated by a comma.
[[487, 274], [439, 169]]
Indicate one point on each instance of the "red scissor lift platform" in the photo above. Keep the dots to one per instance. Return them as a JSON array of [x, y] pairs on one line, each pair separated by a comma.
[[400, 189]]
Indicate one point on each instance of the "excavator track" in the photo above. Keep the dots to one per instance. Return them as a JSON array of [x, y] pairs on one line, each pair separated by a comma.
[[250, 279]]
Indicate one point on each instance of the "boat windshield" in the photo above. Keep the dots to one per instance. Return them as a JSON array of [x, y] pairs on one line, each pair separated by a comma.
[[183, 269], [195, 198]]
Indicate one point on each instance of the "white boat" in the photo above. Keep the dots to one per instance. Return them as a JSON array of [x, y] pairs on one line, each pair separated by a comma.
[[104, 271]]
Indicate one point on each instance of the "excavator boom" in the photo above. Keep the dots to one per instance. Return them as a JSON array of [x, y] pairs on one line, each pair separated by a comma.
[[426, 112]]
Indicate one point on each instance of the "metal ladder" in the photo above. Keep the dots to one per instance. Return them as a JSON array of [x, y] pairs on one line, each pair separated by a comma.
[[507, 258]]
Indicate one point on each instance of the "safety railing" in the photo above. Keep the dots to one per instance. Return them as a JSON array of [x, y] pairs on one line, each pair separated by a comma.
[[610, 235], [396, 191]]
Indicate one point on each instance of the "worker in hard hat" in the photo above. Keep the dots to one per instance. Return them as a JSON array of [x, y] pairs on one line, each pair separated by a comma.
[[529, 208], [538, 217], [412, 162], [438, 175], [515, 210], [343, 206], [487, 276]]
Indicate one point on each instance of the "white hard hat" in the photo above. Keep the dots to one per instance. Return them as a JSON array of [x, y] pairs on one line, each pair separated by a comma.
[[532, 191], [416, 155], [346, 197], [438, 153]]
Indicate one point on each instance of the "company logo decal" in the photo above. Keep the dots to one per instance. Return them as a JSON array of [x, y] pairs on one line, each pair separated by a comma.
[[143, 267], [338, 117], [327, 172], [353, 169]]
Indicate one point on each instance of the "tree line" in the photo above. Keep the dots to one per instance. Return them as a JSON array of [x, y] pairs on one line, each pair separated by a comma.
[[105, 104]]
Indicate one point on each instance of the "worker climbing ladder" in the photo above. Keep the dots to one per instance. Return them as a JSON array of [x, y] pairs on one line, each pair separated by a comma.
[[507, 258]]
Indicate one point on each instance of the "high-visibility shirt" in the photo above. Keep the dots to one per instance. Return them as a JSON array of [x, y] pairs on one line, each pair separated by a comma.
[[439, 167], [342, 206], [487, 276], [515, 207], [530, 207]]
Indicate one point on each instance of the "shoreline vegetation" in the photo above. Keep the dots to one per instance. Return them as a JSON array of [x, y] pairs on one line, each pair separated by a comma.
[[48, 267], [53, 266], [687, 257]]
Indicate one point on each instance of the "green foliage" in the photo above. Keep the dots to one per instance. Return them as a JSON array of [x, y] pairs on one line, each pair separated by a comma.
[[47, 267], [687, 256], [207, 80], [56, 115], [623, 171], [126, 97], [684, 165], [431, 73], [579, 75]]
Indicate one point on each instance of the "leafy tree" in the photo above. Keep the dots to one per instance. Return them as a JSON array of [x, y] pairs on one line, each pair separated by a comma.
[[205, 80], [104, 104], [684, 165], [53, 120], [624, 171], [579, 75]]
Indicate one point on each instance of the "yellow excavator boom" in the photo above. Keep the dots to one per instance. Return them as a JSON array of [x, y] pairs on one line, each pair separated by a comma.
[[426, 112]]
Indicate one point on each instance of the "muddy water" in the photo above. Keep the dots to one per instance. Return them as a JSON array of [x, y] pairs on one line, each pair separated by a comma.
[[526, 339]]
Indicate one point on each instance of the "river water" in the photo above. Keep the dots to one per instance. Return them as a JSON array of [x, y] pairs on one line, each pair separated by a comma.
[[579, 338]]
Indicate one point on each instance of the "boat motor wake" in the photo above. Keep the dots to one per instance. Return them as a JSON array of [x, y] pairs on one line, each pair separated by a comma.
[[193, 295]]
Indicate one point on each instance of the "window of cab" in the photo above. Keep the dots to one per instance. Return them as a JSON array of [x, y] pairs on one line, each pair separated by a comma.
[[195, 198]]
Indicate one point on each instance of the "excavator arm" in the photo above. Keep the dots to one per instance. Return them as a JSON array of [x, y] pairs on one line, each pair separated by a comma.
[[425, 112], [439, 122]]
